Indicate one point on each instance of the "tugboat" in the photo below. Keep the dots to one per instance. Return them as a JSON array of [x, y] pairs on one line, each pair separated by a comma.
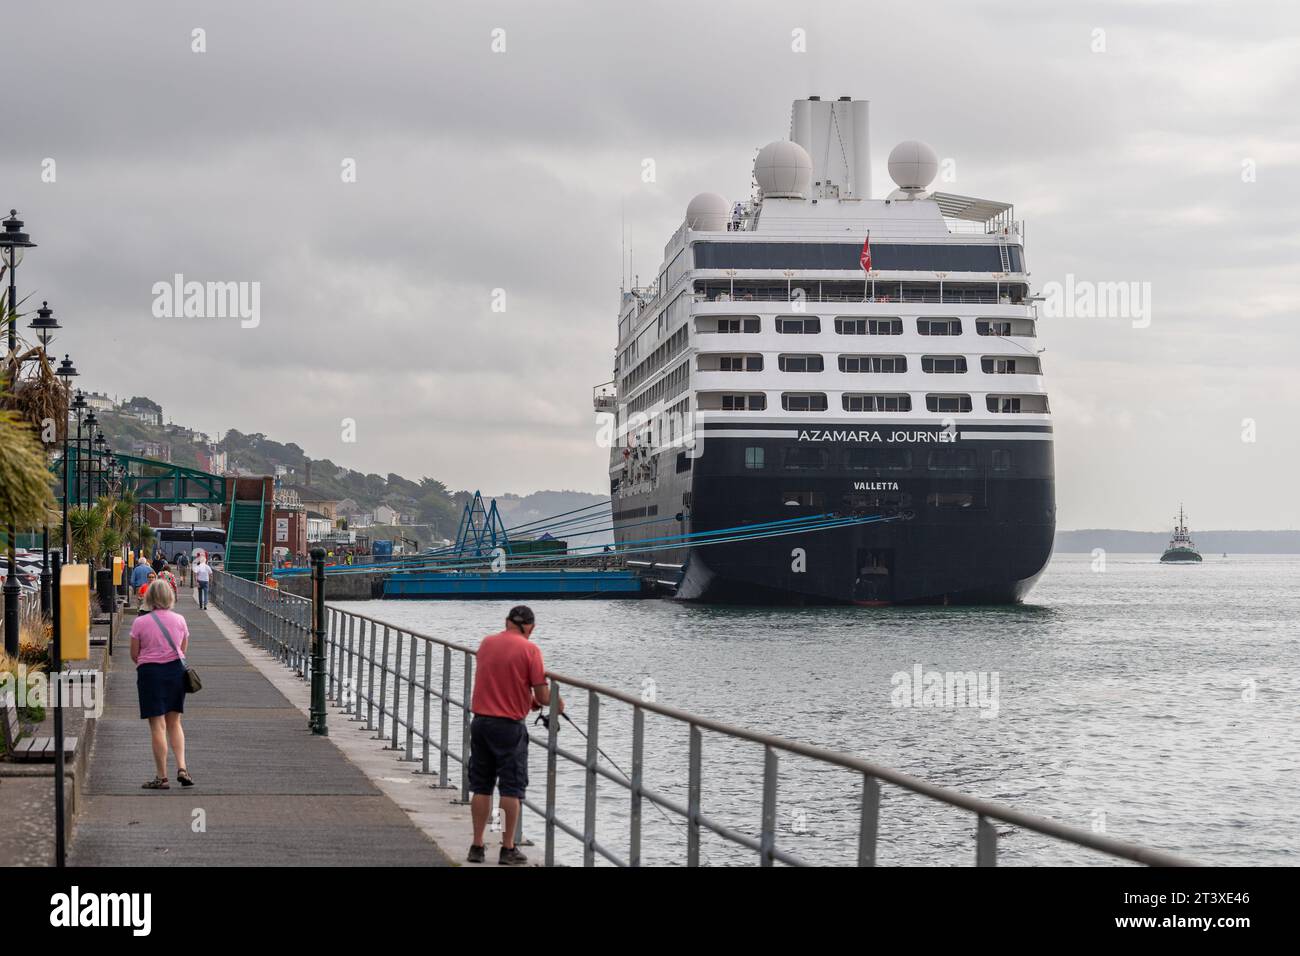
[[1181, 548]]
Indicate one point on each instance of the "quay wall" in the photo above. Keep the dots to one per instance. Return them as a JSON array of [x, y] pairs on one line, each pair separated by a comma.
[[338, 587]]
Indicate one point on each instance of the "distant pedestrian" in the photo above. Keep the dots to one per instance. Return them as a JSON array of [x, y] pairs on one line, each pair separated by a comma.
[[166, 575], [509, 681], [202, 575], [183, 565], [140, 575], [160, 639], [158, 562], [144, 588]]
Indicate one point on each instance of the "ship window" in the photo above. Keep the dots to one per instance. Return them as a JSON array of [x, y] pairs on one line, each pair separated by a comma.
[[953, 459], [802, 499], [742, 403], [877, 403], [873, 363], [948, 403], [1019, 365], [803, 401], [1021, 327], [873, 458], [1016, 404], [869, 326], [805, 459], [950, 499], [754, 458], [943, 364], [902, 256], [737, 363], [1000, 459], [800, 363], [789, 326], [729, 324], [938, 326]]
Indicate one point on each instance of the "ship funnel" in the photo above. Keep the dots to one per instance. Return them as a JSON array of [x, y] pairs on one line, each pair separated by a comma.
[[837, 137]]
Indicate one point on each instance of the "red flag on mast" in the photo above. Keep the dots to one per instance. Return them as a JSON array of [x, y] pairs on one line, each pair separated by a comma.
[[865, 258]]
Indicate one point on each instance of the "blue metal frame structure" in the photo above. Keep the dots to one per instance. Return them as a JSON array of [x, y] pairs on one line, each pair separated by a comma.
[[481, 529]]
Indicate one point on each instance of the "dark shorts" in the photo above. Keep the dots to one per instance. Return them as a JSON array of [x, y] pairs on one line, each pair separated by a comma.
[[161, 688], [498, 756]]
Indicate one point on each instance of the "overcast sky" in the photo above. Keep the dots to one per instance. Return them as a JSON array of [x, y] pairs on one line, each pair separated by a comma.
[[479, 170]]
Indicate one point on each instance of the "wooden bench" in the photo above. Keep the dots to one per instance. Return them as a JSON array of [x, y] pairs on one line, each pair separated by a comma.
[[32, 748]]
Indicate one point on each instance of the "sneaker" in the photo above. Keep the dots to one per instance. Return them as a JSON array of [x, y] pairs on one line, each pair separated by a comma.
[[512, 857], [475, 855]]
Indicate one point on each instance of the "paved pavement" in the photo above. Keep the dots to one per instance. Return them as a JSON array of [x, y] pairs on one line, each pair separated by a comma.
[[268, 792]]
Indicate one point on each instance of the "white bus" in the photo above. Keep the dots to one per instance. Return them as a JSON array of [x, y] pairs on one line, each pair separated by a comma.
[[190, 539]]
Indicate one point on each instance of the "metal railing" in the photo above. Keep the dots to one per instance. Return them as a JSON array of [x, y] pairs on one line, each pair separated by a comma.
[[378, 671]]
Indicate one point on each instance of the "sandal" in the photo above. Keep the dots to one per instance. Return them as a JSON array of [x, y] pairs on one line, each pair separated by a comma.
[[184, 777], [157, 783]]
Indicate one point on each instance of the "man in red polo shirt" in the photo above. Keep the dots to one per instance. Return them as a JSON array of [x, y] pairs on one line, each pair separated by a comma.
[[509, 681]]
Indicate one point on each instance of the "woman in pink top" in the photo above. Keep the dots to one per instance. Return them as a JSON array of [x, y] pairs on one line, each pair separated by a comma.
[[159, 640]]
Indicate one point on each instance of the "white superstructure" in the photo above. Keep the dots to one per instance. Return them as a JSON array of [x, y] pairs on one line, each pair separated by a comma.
[[764, 314]]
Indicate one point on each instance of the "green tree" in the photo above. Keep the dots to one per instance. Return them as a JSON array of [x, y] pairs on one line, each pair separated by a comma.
[[25, 497], [100, 531]]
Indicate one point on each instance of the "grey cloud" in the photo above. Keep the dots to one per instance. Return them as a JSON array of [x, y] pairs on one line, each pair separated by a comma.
[[481, 171]]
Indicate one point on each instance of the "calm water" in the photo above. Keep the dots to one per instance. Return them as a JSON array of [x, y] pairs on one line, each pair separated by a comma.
[[1160, 702]]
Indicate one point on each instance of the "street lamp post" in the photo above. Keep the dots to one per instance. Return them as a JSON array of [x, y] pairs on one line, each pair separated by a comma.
[[83, 465], [78, 406], [12, 243], [44, 325], [67, 372], [97, 460]]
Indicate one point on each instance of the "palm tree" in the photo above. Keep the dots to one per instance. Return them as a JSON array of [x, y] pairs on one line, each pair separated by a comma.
[[100, 531], [30, 395], [25, 495], [140, 537], [86, 527]]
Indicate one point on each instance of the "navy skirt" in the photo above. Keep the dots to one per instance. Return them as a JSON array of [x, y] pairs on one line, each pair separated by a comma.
[[161, 687]]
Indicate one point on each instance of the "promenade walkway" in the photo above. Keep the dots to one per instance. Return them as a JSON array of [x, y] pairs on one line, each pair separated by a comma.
[[268, 792]]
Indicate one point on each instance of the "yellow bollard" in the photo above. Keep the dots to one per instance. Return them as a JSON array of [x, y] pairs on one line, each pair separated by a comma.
[[74, 612], [117, 571]]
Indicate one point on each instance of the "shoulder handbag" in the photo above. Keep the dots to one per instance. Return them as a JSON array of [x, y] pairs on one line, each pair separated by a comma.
[[192, 683]]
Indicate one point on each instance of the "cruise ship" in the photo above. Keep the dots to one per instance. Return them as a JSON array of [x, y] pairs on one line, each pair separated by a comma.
[[813, 352]]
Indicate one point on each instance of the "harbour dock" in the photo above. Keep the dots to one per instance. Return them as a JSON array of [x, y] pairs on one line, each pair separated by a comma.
[[560, 583]]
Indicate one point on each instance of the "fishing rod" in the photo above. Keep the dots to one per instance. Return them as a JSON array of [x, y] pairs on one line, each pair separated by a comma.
[[545, 722]]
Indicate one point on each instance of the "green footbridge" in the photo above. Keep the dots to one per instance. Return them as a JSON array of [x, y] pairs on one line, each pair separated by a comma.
[[248, 501]]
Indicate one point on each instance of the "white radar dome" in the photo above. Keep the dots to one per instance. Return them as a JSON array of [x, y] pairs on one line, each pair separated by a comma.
[[708, 212], [913, 165], [783, 170]]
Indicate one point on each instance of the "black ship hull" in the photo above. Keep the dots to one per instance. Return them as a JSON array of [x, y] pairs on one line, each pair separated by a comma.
[[965, 521]]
